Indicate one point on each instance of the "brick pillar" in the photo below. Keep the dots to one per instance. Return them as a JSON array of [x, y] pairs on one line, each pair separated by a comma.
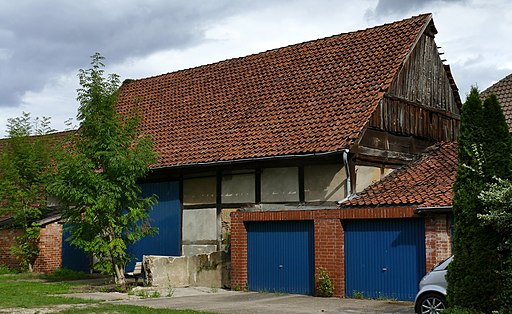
[[50, 249], [329, 252], [238, 252], [438, 240]]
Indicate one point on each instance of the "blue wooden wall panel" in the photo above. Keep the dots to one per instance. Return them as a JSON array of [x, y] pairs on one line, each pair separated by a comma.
[[166, 216], [72, 257], [280, 256], [384, 258]]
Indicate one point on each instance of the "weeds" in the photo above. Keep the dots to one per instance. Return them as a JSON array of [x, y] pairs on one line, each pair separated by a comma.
[[357, 294], [324, 287]]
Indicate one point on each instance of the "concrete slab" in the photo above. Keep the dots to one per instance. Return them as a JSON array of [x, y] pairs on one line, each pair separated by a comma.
[[231, 302]]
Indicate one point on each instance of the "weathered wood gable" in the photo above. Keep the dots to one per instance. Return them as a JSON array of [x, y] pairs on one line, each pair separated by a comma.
[[420, 107]]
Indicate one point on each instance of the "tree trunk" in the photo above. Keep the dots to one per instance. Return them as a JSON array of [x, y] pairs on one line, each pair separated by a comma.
[[120, 279], [118, 269]]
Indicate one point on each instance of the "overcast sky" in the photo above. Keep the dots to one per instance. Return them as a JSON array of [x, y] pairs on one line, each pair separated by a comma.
[[43, 44]]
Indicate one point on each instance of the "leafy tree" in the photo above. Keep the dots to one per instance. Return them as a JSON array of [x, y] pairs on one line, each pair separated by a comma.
[[485, 147], [97, 179], [25, 168], [497, 199]]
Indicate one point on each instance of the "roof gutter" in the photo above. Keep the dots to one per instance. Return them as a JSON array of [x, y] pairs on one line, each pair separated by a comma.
[[434, 210], [236, 161]]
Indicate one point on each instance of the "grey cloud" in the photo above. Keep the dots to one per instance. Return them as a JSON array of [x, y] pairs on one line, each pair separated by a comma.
[[41, 39], [401, 7], [481, 76]]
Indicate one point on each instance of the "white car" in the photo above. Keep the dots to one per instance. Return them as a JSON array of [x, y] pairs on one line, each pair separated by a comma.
[[431, 299]]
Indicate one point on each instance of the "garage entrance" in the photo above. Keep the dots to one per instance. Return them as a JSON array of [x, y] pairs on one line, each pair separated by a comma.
[[384, 258], [280, 256]]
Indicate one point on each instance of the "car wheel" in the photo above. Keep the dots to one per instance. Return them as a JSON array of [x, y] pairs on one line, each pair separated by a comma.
[[431, 304]]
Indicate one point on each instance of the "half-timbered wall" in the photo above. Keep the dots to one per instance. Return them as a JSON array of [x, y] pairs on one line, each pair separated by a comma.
[[420, 102]]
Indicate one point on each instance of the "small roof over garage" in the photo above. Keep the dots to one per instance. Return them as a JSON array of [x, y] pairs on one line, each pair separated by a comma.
[[425, 183]]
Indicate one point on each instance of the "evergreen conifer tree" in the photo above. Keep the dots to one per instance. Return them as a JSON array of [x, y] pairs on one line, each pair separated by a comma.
[[497, 195], [474, 279]]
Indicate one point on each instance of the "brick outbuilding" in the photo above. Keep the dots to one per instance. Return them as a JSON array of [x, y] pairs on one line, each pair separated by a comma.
[[50, 245]]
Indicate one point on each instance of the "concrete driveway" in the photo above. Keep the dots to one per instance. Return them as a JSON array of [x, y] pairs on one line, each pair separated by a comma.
[[225, 301]]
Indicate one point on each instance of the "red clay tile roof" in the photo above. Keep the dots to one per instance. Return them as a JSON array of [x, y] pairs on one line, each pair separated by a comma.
[[503, 90], [426, 182], [312, 97]]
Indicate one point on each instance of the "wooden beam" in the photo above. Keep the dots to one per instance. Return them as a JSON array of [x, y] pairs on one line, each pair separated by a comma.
[[419, 105], [382, 156]]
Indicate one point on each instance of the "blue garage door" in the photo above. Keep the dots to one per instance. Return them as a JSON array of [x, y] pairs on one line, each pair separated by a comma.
[[384, 258], [166, 216], [72, 257], [280, 256]]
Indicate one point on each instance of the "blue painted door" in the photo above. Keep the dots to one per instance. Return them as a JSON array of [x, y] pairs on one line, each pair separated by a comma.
[[384, 258], [72, 257], [280, 256], [166, 216]]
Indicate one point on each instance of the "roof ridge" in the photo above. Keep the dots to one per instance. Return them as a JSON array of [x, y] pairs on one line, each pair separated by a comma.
[[312, 41]]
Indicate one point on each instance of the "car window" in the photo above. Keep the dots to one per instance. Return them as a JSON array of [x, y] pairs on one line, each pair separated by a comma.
[[444, 264]]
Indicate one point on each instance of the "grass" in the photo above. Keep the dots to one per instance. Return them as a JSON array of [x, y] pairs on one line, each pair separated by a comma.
[[128, 309], [28, 290], [33, 293]]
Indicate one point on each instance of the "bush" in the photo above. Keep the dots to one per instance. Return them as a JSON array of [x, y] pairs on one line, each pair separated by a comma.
[[325, 287], [460, 310], [4, 270]]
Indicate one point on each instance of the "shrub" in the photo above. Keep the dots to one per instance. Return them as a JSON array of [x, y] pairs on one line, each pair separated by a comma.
[[460, 310], [4, 270], [324, 287]]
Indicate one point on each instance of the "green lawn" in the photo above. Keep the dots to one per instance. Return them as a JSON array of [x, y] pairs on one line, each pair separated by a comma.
[[35, 291]]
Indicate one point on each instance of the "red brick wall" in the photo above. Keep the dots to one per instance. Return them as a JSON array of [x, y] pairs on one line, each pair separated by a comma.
[[238, 252], [329, 252], [6, 241], [50, 249], [329, 238], [438, 239]]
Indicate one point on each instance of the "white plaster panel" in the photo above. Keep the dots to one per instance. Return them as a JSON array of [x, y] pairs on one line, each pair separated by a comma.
[[238, 188], [325, 183], [280, 184], [199, 224], [199, 191], [365, 176]]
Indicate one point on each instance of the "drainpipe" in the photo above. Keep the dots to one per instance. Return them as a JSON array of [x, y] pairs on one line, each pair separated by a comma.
[[349, 182]]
